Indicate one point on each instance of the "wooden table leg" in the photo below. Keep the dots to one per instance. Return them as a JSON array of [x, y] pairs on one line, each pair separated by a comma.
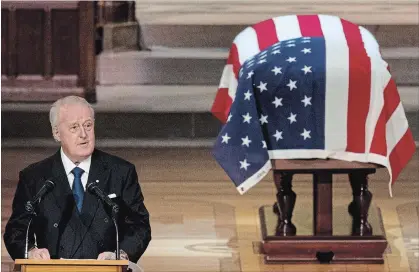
[[322, 204], [284, 206], [361, 203]]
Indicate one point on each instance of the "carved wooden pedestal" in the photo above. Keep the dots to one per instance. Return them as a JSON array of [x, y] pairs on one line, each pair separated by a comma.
[[355, 236]]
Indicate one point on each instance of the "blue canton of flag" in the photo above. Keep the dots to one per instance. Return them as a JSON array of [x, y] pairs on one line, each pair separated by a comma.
[[273, 109]]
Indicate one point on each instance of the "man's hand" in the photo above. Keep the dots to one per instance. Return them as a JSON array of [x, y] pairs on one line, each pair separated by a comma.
[[107, 255], [39, 253]]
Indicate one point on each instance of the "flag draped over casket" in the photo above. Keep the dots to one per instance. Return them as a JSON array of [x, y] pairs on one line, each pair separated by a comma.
[[302, 87]]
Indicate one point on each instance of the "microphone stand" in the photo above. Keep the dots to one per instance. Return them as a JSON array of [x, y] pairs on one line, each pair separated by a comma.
[[115, 210], [29, 208]]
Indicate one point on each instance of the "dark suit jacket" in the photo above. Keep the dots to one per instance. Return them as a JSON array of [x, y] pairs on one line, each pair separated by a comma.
[[64, 231]]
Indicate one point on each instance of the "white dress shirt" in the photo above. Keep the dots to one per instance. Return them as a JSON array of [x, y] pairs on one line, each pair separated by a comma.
[[69, 166]]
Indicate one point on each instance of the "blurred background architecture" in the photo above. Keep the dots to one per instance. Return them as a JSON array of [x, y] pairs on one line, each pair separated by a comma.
[[157, 64], [151, 68]]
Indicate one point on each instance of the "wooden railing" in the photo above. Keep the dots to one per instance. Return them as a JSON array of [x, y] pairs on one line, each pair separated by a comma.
[[48, 44]]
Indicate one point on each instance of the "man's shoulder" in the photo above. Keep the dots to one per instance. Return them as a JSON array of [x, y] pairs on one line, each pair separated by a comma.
[[39, 165], [38, 170], [112, 159]]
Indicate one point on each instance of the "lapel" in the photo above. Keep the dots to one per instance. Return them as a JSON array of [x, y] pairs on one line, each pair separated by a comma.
[[62, 192], [99, 171]]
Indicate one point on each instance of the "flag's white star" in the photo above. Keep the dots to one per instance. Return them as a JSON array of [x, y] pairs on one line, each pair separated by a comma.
[[247, 95], [244, 164], [306, 50], [246, 141], [291, 45], [306, 134], [306, 101], [247, 118], [291, 59], [306, 69], [278, 135], [292, 118], [277, 70], [262, 86], [306, 41], [263, 119], [292, 85], [229, 117], [264, 144], [277, 102], [262, 61], [306, 38], [277, 51], [250, 74], [225, 138]]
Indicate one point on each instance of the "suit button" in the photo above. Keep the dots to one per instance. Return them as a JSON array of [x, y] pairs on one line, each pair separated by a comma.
[[55, 225], [106, 220]]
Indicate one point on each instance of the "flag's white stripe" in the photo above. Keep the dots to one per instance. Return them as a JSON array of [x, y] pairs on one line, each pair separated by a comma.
[[226, 75], [287, 27], [370, 43], [380, 77], [247, 44], [325, 154], [255, 178], [337, 83], [396, 127], [232, 87]]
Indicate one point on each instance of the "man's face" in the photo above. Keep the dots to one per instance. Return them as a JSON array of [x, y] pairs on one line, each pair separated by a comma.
[[75, 130]]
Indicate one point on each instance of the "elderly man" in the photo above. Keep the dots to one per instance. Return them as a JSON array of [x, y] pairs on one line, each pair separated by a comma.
[[70, 221]]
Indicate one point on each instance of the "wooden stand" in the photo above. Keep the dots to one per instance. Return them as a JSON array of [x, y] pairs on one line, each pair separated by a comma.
[[361, 238], [30, 265]]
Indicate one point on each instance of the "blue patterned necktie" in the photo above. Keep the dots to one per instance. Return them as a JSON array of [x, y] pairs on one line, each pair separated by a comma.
[[78, 190]]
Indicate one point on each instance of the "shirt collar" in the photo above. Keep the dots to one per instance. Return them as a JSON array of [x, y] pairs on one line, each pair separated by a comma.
[[69, 165]]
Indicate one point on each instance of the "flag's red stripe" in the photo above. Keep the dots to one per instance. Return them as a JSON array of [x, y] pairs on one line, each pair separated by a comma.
[[310, 26], [233, 58], [401, 154], [359, 88], [221, 106], [266, 33], [391, 101]]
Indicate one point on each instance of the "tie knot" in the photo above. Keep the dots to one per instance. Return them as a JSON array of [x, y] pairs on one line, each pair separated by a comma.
[[77, 172]]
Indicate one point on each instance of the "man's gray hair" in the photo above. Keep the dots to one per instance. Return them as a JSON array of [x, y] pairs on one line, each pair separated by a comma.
[[68, 100]]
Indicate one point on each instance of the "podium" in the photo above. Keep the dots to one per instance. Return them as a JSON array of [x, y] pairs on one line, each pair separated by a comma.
[[349, 234], [31, 265]]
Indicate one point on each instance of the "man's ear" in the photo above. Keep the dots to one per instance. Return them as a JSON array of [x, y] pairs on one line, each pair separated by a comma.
[[56, 134]]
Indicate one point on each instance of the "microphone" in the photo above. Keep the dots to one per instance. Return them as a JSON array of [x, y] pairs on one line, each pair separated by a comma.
[[95, 190], [48, 186]]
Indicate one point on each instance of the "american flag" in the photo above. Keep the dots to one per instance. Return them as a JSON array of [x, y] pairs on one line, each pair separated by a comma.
[[307, 86]]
